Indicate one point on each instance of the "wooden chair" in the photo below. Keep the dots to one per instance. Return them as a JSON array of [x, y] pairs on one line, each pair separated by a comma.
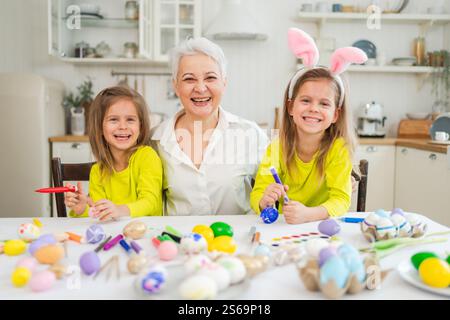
[[67, 172], [361, 178]]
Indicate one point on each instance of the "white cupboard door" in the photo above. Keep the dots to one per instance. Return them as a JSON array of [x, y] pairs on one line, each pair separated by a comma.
[[380, 180], [73, 152], [146, 27]]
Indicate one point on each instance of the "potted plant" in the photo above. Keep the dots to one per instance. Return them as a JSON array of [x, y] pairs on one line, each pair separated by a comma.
[[81, 100], [441, 82]]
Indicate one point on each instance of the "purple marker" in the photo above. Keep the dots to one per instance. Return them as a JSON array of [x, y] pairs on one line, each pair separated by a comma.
[[113, 242], [278, 180], [136, 247]]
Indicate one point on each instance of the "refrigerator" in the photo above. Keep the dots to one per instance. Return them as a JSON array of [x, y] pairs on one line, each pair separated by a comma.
[[30, 112]]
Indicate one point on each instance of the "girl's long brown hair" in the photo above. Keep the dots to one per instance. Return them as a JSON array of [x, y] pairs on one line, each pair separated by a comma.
[[98, 109], [342, 128]]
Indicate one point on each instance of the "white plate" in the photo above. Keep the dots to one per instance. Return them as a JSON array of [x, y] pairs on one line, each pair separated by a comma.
[[439, 142], [176, 274], [418, 115], [411, 275]]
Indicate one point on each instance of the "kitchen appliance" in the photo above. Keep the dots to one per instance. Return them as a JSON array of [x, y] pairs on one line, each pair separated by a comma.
[[371, 121], [31, 109]]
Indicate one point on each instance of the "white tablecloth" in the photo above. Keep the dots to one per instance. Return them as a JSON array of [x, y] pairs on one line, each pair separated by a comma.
[[278, 283]]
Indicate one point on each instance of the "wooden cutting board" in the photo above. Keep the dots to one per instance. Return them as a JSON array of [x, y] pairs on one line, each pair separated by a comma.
[[414, 129]]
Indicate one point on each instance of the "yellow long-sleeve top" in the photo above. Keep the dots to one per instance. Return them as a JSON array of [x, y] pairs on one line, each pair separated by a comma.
[[139, 186], [306, 187]]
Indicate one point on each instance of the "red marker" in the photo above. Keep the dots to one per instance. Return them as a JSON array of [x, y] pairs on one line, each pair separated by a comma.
[[56, 190]]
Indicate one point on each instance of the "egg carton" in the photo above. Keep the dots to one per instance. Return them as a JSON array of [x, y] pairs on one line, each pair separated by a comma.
[[372, 234], [310, 275]]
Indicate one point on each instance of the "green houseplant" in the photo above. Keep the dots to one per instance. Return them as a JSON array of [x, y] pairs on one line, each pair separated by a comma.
[[82, 99], [441, 82]]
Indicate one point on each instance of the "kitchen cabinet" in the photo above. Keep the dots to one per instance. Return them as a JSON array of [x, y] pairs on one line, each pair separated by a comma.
[[380, 181], [161, 24], [422, 183]]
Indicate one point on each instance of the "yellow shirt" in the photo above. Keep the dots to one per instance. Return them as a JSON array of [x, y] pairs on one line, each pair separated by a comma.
[[333, 192], [139, 186]]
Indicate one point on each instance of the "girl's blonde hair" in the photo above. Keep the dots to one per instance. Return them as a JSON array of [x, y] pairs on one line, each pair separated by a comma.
[[102, 102], [342, 128]]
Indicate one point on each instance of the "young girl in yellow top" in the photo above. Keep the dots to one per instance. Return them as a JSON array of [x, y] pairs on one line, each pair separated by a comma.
[[127, 178], [316, 141]]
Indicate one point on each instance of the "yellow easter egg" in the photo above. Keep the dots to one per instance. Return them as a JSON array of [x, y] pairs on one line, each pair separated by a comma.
[[14, 247], [435, 272], [223, 244], [205, 231], [20, 276]]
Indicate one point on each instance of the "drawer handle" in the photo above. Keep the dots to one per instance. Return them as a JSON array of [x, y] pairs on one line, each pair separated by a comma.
[[76, 146], [404, 151], [371, 149], [432, 156]]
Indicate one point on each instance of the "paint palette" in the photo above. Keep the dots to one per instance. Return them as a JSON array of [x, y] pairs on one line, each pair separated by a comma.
[[297, 238]]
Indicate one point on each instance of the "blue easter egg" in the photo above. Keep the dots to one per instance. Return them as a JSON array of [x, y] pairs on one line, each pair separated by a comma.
[[398, 211], [153, 281], [45, 239], [382, 213], [334, 269], [347, 249], [355, 265], [269, 215], [262, 250], [325, 254]]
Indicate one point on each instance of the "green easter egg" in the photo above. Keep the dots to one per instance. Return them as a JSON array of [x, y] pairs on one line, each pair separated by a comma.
[[448, 259], [418, 258], [221, 229]]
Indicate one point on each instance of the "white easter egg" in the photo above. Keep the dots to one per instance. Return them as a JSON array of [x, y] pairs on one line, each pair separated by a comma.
[[198, 287], [193, 243], [195, 262], [218, 273], [370, 220], [403, 227], [314, 246], [385, 226], [235, 267]]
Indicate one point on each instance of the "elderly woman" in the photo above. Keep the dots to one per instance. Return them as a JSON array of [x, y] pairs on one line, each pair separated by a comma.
[[209, 155]]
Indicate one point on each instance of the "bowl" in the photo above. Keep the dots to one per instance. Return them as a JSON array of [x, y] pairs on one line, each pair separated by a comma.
[[418, 115]]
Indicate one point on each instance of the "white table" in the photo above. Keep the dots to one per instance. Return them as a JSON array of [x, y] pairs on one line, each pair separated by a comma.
[[278, 283]]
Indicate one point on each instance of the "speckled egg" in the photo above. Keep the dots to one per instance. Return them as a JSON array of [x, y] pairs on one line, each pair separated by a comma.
[[198, 287], [218, 273], [153, 281], [329, 227], [28, 232], [95, 234], [195, 262], [135, 230], [167, 250], [235, 267], [313, 246], [386, 227], [42, 281], [334, 269], [193, 243], [14, 247], [49, 254]]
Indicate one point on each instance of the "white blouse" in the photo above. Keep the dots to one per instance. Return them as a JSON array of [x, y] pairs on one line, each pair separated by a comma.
[[222, 183]]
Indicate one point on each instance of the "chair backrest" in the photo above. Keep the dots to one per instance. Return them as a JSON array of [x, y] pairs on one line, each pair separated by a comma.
[[67, 172], [361, 178]]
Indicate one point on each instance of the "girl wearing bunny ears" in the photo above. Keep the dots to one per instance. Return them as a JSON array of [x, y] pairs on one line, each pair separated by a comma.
[[313, 152]]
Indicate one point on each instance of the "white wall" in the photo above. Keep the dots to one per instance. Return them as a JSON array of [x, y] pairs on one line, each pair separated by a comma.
[[258, 71]]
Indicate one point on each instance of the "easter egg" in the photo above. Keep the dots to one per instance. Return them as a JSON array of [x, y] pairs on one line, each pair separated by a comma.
[[28, 232], [334, 270], [20, 276], [45, 239], [218, 273], [14, 247], [153, 281], [89, 262], [355, 265], [195, 263], [325, 254], [381, 213], [314, 246], [205, 231], [193, 243], [403, 227], [167, 250], [269, 215], [223, 244], [28, 262], [448, 259], [135, 230], [385, 227], [198, 287], [136, 263], [49, 254], [370, 221], [42, 281], [221, 229], [435, 273], [263, 250], [418, 258], [347, 249], [95, 234], [329, 227], [235, 267], [397, 211]]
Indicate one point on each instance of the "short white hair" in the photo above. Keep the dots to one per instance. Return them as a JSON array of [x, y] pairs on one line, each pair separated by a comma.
[[193, 46]]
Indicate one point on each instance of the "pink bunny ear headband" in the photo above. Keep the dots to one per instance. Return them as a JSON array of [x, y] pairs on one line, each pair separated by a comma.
[[304, 47]]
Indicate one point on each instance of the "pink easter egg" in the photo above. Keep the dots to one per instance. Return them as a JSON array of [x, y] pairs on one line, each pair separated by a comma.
[[28, 262], [167, 250], [42, 281]]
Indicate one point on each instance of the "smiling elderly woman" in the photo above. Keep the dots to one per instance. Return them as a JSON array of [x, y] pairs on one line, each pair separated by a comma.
[[209, 155]]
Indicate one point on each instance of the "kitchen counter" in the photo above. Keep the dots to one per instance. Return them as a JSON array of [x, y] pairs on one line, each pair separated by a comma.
[[421, 144], [69, 139]]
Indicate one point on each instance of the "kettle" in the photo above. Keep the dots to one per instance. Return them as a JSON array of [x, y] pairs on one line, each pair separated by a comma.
[[371, 121]]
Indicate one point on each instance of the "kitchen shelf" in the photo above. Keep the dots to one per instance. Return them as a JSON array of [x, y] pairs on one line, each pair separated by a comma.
[[360, 17], [107, 23], [114, 61]]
